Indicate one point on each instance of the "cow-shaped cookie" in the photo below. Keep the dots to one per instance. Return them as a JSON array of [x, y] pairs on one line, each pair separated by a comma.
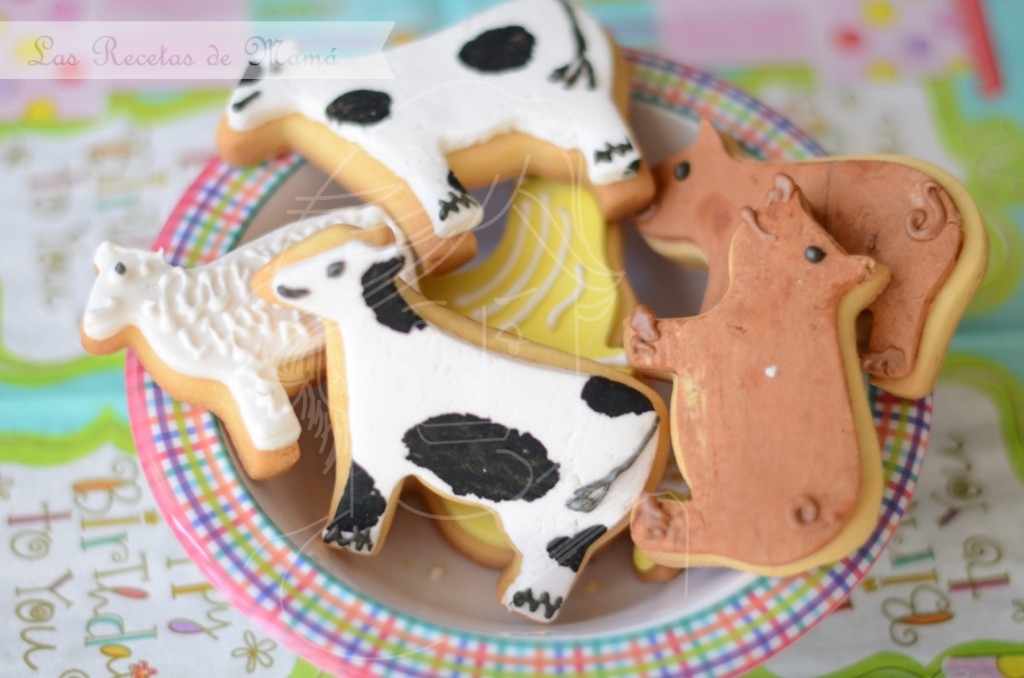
[[207, 340], [906, 214], [531, 86], [556, 277], [770, 419], [556, 447]]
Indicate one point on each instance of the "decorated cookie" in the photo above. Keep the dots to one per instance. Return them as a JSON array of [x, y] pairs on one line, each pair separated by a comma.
[[556, 277], [557, 448], [770, 419], [909, 215], [531, 86], [671, 488], [207, 340]]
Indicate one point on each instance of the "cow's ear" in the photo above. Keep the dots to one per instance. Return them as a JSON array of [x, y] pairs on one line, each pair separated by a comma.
[[379, 235]]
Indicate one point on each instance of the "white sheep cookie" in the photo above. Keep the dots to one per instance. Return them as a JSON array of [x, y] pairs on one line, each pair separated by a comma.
[[557, 447], [530, 86], [208, 340]]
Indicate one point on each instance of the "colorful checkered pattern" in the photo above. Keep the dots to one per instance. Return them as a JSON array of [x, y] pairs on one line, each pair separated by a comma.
[[206, 502], [761, 131]]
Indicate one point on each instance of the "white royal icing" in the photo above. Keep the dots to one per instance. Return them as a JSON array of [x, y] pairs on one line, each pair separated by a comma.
[[540, 294], [397, 380], [559, 310], [438, 104], [205, 322]]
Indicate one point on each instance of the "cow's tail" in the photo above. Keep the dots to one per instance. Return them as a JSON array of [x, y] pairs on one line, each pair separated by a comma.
[[588, 497]]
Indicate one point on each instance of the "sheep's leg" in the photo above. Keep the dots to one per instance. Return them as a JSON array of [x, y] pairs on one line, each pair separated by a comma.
[[265, 410]]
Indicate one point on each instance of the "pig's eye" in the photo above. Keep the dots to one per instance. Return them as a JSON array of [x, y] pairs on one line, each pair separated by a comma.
[[120, 268], [814, 254], [682, 170], [336, 269]]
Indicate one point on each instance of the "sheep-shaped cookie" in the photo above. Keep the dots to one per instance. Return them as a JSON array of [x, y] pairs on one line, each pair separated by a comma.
[[207, 340], [530, 86], [556, 447]]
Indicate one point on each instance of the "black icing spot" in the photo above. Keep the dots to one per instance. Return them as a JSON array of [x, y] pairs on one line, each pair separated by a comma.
[[336, 269], [291, 292], [814, 254], [610, 150], [613, 398], [527, 599], [569, 551], [478, 457], [360, 106], [457, 198], [120, 268], [253, 73], [360, 508], [682, 170], [381, 294], [454, 182], [498, 50], [240, 105]]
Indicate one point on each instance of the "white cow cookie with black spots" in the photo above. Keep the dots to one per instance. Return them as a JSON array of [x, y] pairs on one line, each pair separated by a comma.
[[557, 448], [208, 340], [531, 86]]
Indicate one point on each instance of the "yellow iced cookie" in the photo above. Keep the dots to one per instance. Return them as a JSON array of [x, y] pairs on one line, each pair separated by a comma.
[[556, 276]]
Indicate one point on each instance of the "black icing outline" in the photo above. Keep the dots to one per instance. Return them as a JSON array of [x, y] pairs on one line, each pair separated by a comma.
[[610, 150], [580, 65]]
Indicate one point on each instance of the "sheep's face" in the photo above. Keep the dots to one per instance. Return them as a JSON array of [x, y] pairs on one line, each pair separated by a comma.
[[124, 278]]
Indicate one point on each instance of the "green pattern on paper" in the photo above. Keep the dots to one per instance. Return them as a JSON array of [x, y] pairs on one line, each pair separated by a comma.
[[39, 450], [992, 153], [896, 665], [1006, 394], [16, 371], [145, 108]]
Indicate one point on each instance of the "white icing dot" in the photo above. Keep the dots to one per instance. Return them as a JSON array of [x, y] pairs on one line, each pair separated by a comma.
[[771, 371]]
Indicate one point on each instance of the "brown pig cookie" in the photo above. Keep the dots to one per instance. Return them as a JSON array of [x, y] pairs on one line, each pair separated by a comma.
[[909, 215], [771, 424], [530, 86]]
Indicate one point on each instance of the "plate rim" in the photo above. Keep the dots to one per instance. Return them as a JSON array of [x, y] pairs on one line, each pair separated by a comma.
[[657, 81]]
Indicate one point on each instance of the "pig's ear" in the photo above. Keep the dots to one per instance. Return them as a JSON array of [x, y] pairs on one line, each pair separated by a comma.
[[709, 139]]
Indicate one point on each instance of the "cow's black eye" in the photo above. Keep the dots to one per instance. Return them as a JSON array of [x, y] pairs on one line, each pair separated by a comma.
[[120, 268], [682, 170], [336, 269], [814, 254]]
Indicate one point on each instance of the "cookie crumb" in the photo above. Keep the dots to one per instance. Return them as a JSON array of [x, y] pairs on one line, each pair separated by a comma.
[[591, 586], [771, 371]]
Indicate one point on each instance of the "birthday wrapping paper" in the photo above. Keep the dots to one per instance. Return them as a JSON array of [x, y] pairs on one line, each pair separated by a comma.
[[92, 582]]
